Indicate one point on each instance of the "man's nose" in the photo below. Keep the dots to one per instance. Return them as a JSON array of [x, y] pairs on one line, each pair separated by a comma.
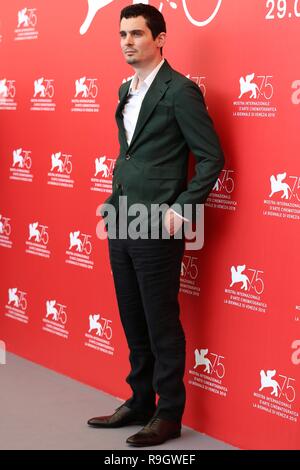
[[128, 39]]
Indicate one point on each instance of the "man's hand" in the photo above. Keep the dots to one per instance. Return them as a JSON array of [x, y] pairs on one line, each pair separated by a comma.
[[172, 222]]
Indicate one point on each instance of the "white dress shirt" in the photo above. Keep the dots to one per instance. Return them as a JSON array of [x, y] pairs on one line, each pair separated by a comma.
[[133, 105]]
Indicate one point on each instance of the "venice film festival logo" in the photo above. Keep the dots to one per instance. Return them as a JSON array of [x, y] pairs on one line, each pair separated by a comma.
[[43, 94], [60, 171], [284, 197], [211, 374], [200, 81], [249, 287], [38, 239], [26, 24], [86, 92], [189, 275], [279, 395], [16, 307], [56, 318], [221, 194], [194, 15], [255, 95], [99, 335], [7, 94], [103, 172], [80, 249], [7, 88], [21, 165], [5, 232]]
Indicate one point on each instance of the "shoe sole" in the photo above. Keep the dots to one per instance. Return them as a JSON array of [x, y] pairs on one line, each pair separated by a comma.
[[112, 426], [175, 436]]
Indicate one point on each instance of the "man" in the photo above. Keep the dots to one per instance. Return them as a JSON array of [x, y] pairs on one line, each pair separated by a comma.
[[161, 116]]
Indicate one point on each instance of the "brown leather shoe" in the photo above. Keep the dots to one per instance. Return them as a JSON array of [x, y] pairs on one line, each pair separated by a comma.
[[123, 416], [155, 432]]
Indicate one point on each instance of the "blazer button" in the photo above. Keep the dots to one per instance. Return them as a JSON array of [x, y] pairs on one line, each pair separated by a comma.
[[127, 157]]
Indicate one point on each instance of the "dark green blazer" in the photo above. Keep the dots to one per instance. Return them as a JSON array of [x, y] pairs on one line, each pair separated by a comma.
[[173, 121]]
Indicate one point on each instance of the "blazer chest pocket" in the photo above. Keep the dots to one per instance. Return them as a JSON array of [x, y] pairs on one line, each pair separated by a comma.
[[159, 120]]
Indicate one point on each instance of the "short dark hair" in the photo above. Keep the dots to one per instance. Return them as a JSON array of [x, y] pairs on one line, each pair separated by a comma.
[[153, 17]]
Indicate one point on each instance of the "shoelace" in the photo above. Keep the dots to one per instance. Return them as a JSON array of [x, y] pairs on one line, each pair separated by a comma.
[[152, 421]]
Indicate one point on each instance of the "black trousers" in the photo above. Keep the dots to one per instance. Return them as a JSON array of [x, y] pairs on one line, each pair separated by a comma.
[[146, 276]]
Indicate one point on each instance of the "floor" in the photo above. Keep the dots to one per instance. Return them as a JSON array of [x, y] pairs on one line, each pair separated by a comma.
[[42, 410]]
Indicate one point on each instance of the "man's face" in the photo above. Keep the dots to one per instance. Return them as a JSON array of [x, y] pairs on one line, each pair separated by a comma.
[[137, 43]]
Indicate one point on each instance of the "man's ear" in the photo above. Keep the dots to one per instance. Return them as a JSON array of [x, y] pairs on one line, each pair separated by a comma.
[[161, 39]]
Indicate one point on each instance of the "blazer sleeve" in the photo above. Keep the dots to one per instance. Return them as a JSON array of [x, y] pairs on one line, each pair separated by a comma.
[[198, 130]]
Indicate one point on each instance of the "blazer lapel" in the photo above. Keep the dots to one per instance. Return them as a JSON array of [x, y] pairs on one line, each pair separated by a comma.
[[119, 115], [153, 96]]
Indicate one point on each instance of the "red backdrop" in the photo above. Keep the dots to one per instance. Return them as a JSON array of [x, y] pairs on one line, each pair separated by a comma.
[[240, 303]]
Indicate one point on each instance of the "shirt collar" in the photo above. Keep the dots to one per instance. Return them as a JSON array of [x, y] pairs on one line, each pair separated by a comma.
[[148, 80]]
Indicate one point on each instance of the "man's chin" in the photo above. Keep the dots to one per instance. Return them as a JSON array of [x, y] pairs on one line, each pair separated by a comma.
[[131, 60]]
